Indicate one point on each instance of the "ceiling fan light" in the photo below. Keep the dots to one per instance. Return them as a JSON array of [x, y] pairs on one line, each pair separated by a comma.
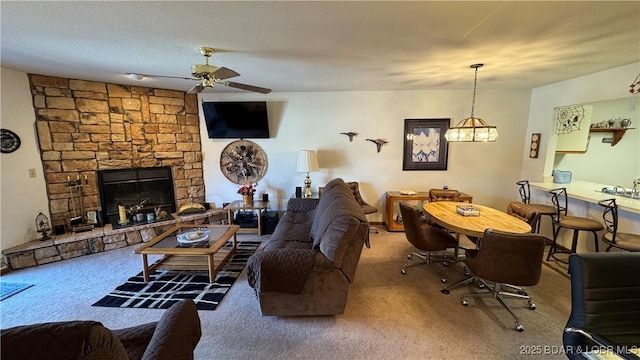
[[202, 70]]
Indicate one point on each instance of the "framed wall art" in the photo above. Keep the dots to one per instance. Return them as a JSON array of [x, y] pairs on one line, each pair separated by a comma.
[[425, 147]]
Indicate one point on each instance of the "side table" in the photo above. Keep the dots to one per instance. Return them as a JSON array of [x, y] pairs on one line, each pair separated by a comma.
[[239, 205], [394, 196]]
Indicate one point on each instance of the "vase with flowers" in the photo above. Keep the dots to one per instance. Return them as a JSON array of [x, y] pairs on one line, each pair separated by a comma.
[[247, 191]]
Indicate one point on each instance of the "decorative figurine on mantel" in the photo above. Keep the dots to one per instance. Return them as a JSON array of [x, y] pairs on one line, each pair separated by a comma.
[[43, 226]]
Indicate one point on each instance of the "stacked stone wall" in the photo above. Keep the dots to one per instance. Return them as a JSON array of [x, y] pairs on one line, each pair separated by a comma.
[[85, 126]]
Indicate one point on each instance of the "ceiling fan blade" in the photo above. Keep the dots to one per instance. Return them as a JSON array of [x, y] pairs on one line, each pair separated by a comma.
[[169, 77], [247, 87], [224, 73], [196, 89]]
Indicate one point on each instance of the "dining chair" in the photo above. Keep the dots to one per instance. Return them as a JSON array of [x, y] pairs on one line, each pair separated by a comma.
[[576, 223], [366, 208], [605, 305], [505, 263], [524, 213], [613, 238], [427, 239], [542, 209], [444, 195]]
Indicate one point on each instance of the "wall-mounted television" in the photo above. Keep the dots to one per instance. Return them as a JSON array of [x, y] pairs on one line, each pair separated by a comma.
[[236, 119]]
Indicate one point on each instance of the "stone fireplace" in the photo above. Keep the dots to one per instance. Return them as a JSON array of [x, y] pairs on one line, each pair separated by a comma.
[[84, 127]]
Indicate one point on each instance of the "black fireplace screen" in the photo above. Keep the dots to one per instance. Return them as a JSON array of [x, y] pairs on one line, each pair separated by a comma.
[[150, 187]]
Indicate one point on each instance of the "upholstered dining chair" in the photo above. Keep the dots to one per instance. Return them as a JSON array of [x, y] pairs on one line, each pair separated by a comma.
[[562, 220], [613, 238], [444, 195], [605, 305], [427, 239], [505, 263], [524, 213], [366, 208], [542, 209]]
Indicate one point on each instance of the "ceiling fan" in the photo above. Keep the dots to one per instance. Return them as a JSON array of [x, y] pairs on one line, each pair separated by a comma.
[[209, 75]]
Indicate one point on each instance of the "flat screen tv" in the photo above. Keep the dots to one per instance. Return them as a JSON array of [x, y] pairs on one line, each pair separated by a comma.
[[239, 119]]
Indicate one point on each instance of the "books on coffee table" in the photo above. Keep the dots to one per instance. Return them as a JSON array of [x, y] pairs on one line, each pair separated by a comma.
[[467, 210]]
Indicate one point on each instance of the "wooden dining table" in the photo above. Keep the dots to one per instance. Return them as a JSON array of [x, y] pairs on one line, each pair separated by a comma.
[[444, 214]]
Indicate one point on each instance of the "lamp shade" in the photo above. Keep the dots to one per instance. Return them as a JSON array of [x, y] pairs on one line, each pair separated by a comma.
[[472, 129], [307, 161]]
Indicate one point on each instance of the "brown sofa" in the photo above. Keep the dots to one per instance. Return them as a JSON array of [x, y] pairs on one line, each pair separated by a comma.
[[308, 264], [173, 337]]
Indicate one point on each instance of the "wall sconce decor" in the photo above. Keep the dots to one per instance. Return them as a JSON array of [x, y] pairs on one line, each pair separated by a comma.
[[350, 134], [378, 142]]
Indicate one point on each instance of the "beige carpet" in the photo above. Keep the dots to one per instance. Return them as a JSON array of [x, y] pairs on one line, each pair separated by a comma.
[[388, 316]]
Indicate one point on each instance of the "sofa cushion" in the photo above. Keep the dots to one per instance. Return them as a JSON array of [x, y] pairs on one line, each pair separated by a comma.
[[294, 226], [342, 204], [332, 200]]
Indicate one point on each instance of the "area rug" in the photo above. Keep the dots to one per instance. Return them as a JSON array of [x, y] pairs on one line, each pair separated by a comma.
[[169, 286], [8, 289]]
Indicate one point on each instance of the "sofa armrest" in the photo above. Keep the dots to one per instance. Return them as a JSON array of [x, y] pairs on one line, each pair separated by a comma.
[[177, 333], [302, 204], [282, 270]]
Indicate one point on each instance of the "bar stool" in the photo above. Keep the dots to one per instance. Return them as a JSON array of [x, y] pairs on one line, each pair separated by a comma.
[[623, 241], [575, 223], [541, 209]]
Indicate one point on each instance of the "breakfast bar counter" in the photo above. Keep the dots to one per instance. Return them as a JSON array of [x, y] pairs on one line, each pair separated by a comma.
[[591, 192], [583, 197]]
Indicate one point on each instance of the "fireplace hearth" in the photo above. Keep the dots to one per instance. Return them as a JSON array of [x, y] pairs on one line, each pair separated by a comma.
[[152, 187]]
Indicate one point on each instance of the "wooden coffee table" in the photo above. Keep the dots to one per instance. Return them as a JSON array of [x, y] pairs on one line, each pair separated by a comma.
[[207, 254]]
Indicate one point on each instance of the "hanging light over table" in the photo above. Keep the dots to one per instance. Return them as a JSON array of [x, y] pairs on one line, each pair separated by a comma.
[[472, 128]]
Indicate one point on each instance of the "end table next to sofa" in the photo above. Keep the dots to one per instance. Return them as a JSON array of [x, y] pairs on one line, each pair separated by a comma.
[[239, 205]]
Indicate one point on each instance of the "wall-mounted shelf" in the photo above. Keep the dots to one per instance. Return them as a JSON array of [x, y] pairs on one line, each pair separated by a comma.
[[618, 133]]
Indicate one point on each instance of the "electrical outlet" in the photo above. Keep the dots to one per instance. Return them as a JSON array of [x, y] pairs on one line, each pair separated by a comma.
[[32, 173]]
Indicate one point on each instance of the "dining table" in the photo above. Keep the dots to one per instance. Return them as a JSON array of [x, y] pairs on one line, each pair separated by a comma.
[[444, 213]]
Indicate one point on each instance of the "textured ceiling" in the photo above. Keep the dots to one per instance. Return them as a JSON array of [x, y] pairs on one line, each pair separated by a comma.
[[321, 45]]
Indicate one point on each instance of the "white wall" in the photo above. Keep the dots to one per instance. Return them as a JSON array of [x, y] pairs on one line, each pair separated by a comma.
[[314, 121], [21, 197], [622, 160], [606, 85]]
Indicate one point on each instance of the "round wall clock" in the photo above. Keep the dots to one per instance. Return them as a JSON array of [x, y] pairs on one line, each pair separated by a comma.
[[10, 141], [243, 162]]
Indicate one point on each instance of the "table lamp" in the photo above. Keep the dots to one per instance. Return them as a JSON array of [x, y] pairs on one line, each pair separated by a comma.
[[307, 162]]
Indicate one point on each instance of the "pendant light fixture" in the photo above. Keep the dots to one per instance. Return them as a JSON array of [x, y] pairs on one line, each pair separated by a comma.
[[472, 128]]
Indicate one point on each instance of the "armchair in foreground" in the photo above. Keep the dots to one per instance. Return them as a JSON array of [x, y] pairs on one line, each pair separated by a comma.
[[504, 263], [605, 305]]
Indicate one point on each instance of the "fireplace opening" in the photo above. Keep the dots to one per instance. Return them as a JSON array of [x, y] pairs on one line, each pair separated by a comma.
[[152, 188]]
